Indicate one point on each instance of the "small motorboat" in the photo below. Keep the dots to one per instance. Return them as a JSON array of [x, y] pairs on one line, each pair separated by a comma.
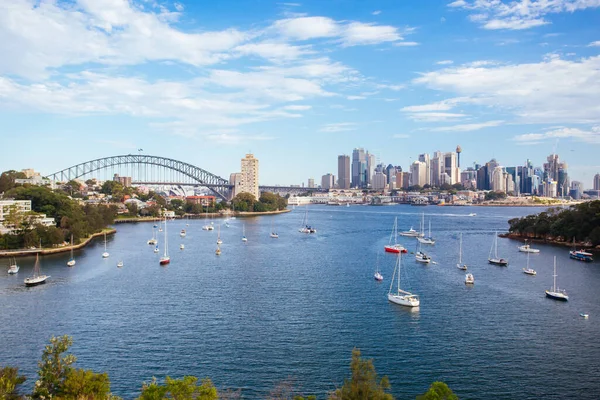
[[378, 277], [120, 264], [218, 251], [274, 235], [13, 268], [422, 257], [472, 214], [182, 233], [181, 246], [584, 316], [527, 249], [469, 279]]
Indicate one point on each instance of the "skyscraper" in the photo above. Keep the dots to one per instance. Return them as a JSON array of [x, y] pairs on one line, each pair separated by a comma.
[[344, 172], [311, 182], [435, 166], [451, 167], [359, 166], [596, 183], [249, 178], [425, 159], [417, 173], [371, 161], [327, 181]]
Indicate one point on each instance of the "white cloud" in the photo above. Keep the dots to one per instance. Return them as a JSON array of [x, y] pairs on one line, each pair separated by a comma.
[[297, 107], [339, 127], [304, 28], [587, 136], [552, 91], [435, 116], [467, 127], [445, 62], [274, 51], [359, 33], [406, 44], [376, 12], [518, 14], [355, 97], [594, 44], [443, 105]]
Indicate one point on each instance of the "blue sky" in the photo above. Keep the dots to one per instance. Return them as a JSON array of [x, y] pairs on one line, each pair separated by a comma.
[[298, 83]]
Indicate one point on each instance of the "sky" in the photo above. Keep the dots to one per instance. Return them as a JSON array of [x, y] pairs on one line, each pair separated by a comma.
[[299, 83]]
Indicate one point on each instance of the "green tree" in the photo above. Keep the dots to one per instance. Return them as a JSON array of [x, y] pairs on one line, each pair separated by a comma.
[[132, 208], [108, 186], [364, 383], [244, 202], [186, 388], [7, 179], [54, 368], [9, 383], [177, 204], [85, 384], [438, 391], [72, 186]]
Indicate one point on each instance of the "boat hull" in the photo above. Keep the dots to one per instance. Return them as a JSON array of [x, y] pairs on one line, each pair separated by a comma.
[[404, 300], [557, 295], [12, 271], [36, 281], [378, 277], [164, 261], [469, 279], [500, 262], [395, 249], [581, 257], [529, 271]]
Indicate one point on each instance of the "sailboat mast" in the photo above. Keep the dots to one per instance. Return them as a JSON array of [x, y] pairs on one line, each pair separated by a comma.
[[166, 246], [399, 266], [460, 250], [496, 245], [429, 228], [554, 285]]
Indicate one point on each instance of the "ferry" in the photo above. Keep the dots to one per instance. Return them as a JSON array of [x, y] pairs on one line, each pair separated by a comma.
[[581, 255]]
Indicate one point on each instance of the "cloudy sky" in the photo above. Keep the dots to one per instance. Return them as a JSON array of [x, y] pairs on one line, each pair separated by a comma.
[[298, 83]]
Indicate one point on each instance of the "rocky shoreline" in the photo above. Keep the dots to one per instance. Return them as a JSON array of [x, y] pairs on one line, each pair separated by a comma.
[[578, 245], [55, 250]]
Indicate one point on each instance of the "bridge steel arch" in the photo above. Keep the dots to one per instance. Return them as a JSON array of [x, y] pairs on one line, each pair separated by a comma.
[[218, 185]]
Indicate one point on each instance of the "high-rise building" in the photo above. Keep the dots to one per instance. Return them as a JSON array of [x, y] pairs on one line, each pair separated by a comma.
[[344, 172], [359, 166], [451, 167], [379, 180], [371, 165], [327, 181], [249, 176], [556, 171], [596, 183], [311, 182], [576, 190], [425, 159], [417, 173], [435, 167], [498, 180]]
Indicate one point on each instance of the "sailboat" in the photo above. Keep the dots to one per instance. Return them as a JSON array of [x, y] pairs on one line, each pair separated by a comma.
[[469, 279], [105, 254], [71, 261], [460, 264], [556, 293], [244, 238], [37, 278], [377, 276], [305, 228], [273, 234], [156, 249], [165, 259], [580, 255], [13, 267], [120, 264], [410, 233], [219, 241], [206, 227], [153, 241], [528, 271], [400, 296], [181, 246], [160, 229], [218, 250], [426, 239], [182, 233], [526, 248], [421, 256], [495, 260], [394, 247]]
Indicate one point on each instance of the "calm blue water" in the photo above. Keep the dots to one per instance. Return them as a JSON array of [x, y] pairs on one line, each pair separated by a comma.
[[295, 307]]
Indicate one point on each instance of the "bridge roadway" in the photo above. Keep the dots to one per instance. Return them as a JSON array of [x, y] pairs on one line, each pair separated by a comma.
[[273, 189]]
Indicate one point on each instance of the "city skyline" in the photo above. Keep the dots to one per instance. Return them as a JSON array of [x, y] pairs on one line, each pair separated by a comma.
[[207, 83]]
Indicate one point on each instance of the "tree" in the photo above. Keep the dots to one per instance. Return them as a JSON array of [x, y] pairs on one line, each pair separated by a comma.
[[244, 202], [7, 179], [364, 383], [73, 186], [54, 368], [186, 388], [177, 204], [108, 186], [445, 186], [86, 384], [9, 383], [438, 391], [132, 208]]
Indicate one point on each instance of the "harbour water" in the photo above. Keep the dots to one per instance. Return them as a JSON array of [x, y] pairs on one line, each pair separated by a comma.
[[295, 307]]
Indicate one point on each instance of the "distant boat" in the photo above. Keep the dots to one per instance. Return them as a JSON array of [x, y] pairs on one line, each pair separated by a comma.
[[399, 296], [165, 259], [469, 279], [181, 246], [156, 249], [580, 255], [219, 241], [14, 267], [182, 233], [584, 316], [347, 204], [394, 247], [554, 292], [105, 254], [120, 264], [472, 214], [273, 234], [426, 239], [71, 261], [218, 251], [527, 249], [377, 276], [305, 228], [529, 271], [244, 238], [153, 241], [460, 264], [496, 260], [36, 278], [411, 233]]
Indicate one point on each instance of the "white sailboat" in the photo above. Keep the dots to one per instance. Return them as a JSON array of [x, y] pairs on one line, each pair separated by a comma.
[[421, 256], [273, 234], [105, 254], [469, 279], [13, 267], [219, 241], [305, 228], [36, 278], [156, 250], [556, 293], [244, 238], [120, 264], [165, 259], [460, 264], [153, 241], [410, 233], [526, 248], [496, 260], [71, 261], [528, 270], [181, 246], [426, 239], [218, 250], [394, 247], [377, 276], [400, 296]]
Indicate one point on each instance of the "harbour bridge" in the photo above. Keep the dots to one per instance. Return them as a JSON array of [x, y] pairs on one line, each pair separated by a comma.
[[154, 170]]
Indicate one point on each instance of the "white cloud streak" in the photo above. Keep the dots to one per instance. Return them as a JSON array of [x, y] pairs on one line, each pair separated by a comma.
[[591, 136]]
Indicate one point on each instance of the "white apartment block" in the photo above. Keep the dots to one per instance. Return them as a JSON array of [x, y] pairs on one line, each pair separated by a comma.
[[21, 207], [249, 178]]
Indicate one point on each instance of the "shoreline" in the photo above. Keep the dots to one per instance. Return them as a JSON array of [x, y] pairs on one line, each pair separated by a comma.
[[56, 250], [520, 238], [202, 216]]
